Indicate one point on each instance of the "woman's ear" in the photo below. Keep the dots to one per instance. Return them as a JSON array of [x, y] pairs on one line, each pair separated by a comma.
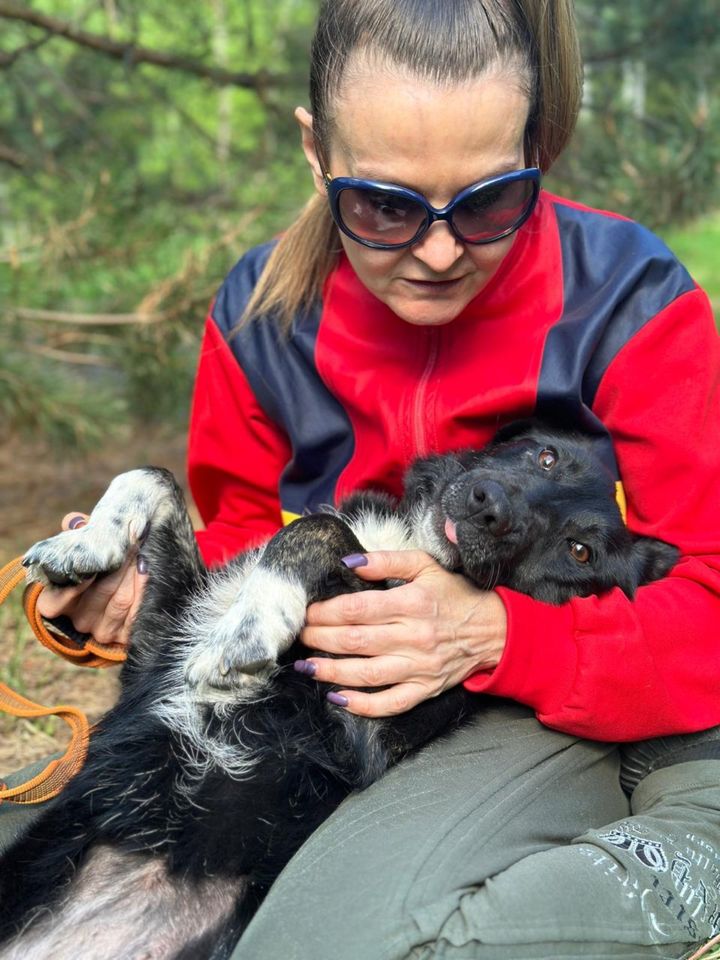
[[309, 147]]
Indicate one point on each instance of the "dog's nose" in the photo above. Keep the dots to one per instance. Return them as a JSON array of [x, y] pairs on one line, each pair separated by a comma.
[[488, 504]]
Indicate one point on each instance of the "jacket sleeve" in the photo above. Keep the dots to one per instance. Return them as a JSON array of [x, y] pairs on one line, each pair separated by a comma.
[[609, 668], [236, 454]]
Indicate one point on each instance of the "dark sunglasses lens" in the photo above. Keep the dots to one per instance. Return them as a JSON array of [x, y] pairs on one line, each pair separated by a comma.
[[494, 210], [379, 216]]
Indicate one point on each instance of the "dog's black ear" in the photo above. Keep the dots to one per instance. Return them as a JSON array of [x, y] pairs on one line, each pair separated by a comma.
[[428, 476], [423, 477], [652, 559]]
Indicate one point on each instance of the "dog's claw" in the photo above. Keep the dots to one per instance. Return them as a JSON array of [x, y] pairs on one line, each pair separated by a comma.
[[73, 557], [257, 666], [207, 672]]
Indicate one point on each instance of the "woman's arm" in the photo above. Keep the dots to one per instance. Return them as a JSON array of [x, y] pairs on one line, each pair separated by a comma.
[[608, 667], [235, 455]]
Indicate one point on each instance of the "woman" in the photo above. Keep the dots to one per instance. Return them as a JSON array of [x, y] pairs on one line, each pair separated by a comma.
[[434, 296]]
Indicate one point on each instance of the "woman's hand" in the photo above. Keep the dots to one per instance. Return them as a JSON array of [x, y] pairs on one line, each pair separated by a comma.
[[104, 608], [417, 640]]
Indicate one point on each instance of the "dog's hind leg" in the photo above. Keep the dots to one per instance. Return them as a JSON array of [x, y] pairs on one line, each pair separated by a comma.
[[122, 793], [41, 864], [271, 589]]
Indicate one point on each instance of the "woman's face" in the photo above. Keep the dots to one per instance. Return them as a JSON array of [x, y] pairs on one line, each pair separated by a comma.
[[391, 126]]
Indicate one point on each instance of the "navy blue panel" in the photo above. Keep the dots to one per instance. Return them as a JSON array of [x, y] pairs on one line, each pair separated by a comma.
[[616, 277], [282, 373], [239, 285]]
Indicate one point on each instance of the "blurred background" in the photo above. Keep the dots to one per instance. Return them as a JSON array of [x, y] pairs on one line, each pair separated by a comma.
[[144, 145]]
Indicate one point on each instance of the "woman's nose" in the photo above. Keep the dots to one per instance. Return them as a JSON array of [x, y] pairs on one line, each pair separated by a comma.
[[439, 249]]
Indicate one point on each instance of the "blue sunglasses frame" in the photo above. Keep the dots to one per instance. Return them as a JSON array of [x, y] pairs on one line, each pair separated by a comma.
[[335, 186]]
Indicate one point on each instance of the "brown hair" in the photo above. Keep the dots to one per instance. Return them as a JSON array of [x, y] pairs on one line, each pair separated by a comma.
[[445, 42]]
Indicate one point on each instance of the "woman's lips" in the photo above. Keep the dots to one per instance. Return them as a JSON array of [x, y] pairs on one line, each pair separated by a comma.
[[433, 286]]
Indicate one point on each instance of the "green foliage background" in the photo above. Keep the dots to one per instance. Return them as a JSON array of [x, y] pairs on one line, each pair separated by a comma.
[[131, 189]]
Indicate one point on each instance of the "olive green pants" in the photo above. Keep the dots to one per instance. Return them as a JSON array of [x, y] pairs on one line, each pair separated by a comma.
[[504, 840]]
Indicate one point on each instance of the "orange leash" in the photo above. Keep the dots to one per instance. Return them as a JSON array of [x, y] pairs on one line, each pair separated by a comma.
[[50, 781]]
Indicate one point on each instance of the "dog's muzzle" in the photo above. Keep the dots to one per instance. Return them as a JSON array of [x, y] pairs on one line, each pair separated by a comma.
[[488, 505]]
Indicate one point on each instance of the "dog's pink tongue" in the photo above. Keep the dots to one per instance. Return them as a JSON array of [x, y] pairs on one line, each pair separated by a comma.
[[450, 531]]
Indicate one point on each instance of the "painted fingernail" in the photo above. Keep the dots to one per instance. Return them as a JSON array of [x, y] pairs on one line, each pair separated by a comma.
[[355, 560], [77, 521], [337, 698], [142, 564], [304, 666]]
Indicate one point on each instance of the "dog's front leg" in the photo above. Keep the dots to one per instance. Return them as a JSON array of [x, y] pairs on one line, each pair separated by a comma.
[[271, 588], [119, 523], [144, 510]]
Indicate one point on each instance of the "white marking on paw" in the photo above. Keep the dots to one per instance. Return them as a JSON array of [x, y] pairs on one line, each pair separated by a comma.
[[378, 531], [238, 644], [115, 526]]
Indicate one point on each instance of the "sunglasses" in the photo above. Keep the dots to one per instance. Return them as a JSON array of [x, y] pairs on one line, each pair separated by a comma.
[[385, 216]]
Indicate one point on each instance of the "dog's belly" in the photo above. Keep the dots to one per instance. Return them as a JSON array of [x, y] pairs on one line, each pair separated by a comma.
[[125, 906]]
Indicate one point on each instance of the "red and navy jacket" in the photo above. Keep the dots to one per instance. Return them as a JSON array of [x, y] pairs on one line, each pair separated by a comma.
[[589, 317]]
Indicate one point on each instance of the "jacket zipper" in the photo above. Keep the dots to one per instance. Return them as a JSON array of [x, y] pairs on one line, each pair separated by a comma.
[[419, 412]]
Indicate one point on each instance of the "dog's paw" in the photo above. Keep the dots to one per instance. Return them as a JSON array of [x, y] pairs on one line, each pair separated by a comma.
[[118, 524], [240, 648], [72, 556]]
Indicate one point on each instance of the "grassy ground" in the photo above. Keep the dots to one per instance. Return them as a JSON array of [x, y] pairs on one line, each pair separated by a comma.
[[698, 246]]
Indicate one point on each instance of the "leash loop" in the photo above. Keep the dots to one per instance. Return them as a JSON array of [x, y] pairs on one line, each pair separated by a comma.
[[51, 780]]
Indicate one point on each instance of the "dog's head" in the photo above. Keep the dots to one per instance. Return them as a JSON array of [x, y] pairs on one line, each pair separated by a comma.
[[535, 511]]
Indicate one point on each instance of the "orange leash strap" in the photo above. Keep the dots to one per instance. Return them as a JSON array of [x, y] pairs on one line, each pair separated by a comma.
[[50, 781], [86, 654]]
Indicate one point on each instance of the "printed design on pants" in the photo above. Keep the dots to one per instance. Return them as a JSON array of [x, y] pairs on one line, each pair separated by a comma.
[[649, 852], [677, 883]]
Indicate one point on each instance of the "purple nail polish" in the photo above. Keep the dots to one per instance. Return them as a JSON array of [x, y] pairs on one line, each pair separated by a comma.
[[337, 698], [77, 521], [142, 564], [306, 667], [355, 560]]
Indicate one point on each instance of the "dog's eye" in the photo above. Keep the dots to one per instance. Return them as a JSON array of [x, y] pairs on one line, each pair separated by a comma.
[[547, 458], [579, 552]]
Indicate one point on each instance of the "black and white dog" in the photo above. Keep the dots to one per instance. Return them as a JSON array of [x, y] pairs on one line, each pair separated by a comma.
[[219, 759]]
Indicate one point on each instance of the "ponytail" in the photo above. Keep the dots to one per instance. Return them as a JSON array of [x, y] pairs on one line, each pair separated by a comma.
[[558, 78], [297, 268]]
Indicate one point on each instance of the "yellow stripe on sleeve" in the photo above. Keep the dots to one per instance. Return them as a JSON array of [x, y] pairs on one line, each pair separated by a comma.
[[621, 500]]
